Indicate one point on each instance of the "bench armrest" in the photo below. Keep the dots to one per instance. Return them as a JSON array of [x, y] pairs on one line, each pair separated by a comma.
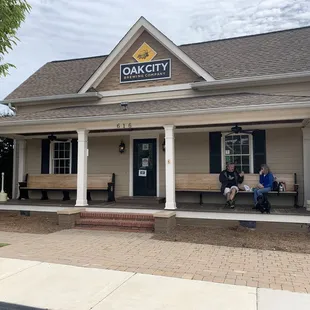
[[296, 186], [22, 184]]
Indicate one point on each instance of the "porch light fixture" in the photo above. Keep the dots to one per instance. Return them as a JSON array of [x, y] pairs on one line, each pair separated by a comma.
[[122, 147], [164, 145]]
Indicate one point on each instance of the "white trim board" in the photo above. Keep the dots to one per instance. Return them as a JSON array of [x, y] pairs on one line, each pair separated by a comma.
[[121, 48]]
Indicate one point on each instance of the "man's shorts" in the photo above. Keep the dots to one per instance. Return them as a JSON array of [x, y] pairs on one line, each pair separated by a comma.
[[227, 190]]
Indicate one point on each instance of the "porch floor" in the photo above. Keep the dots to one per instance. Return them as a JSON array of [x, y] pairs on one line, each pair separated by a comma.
[[193, 207]]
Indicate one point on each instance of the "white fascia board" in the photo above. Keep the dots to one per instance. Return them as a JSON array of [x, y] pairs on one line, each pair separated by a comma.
[[54, 98], [271, 79], [121, 48], [253, 108]]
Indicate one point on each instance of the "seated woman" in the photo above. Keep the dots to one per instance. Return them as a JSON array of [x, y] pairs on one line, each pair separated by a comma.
[[265, 183]]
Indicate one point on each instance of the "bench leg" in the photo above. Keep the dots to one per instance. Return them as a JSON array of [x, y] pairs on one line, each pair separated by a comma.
[[23, 194], [111, 196], [88, 196], [66, 196], [44, 195], [200, 199], [296, 201]]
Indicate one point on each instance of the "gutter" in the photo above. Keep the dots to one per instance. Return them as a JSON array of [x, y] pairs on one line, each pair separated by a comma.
[[46, 99], [263, 80], [282, 106]]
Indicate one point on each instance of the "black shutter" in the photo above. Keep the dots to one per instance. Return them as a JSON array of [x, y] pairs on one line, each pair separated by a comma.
[[74, 146], [259, 149], [45, 156], [215, 148]]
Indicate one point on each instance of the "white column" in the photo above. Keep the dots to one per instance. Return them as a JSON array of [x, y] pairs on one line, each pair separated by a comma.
[[21, 160], [170, 167], [81, 195], [306, 148]]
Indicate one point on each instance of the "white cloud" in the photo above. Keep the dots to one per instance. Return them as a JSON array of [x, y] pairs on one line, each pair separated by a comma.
[[59, 29]]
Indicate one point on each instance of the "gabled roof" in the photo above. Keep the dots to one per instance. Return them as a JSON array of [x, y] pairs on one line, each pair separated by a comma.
[[230, 101], [284, 51]]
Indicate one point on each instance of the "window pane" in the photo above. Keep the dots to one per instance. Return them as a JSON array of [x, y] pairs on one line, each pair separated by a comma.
[[245, 149], [56, 170], [246, 169], [237, 149], [67, 154], [245, 160], [67, 146]]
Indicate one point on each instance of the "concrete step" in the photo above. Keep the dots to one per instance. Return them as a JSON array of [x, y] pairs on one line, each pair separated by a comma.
[[116, 222]]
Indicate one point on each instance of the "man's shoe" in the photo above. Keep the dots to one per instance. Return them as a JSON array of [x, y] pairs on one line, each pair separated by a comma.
[[228, 203], [232, 204]]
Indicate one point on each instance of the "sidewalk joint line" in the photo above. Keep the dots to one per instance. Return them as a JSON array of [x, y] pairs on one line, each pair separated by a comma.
[[11, 275], [126, 280]]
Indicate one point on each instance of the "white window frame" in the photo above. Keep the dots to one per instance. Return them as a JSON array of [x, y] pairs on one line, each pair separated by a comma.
[[52, 148], [224, 134]]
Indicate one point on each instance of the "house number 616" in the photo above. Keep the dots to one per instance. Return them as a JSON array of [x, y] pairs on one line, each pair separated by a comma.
[[123, 125]]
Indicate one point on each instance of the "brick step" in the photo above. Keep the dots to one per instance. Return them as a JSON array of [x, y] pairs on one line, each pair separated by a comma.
[[117, 216], [114, 228], [115, 223]]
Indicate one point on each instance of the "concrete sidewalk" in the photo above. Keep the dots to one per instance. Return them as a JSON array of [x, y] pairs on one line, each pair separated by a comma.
[[54, 286]]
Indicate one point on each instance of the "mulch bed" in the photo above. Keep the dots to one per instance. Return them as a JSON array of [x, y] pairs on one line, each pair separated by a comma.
[[295, 242], [36, 223]]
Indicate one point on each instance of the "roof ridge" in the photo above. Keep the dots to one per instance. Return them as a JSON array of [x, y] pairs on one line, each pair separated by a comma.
[[246, 36], [195, 43]]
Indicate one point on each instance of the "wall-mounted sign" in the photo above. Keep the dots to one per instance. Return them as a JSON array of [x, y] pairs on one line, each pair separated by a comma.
[[144, 53], [145, 71], [142, 173], [145, 162]]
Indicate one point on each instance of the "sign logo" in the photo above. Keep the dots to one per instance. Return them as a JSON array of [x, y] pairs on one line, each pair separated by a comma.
[[145, 71], [144, 53]]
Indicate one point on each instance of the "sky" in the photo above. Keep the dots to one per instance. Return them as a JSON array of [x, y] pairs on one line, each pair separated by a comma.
[[64, 29]]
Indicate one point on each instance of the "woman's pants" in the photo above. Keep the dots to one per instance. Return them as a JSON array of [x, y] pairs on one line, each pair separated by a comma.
[[259, 192]]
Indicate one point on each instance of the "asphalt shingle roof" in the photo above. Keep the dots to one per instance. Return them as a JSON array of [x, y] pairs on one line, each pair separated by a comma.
[[278, 52], [153, 106]]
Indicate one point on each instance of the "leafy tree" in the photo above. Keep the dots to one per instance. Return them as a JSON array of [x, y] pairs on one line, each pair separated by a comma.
[[12, 14]]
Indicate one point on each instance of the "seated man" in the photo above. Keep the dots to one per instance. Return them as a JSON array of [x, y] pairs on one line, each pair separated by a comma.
[[230, 180], [265, 183]]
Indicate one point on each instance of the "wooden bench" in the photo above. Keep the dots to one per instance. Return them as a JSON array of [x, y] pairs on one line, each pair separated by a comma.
[[209, 183], [66, 183]]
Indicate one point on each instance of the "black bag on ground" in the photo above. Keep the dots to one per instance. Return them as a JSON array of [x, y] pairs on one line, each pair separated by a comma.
[[263, 205]]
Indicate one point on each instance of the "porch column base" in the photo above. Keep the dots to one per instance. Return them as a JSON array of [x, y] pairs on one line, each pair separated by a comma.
[[81, 203], [170, 206]]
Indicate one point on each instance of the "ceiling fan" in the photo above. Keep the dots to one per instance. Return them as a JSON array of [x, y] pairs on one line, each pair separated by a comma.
[[53, 138], [237, 130]]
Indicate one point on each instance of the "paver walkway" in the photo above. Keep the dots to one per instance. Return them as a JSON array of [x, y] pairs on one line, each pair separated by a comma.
[[137, 252], [56, 286]]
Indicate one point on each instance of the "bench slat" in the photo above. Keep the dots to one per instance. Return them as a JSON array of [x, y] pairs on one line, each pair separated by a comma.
[[67, 181], [210, 182]]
